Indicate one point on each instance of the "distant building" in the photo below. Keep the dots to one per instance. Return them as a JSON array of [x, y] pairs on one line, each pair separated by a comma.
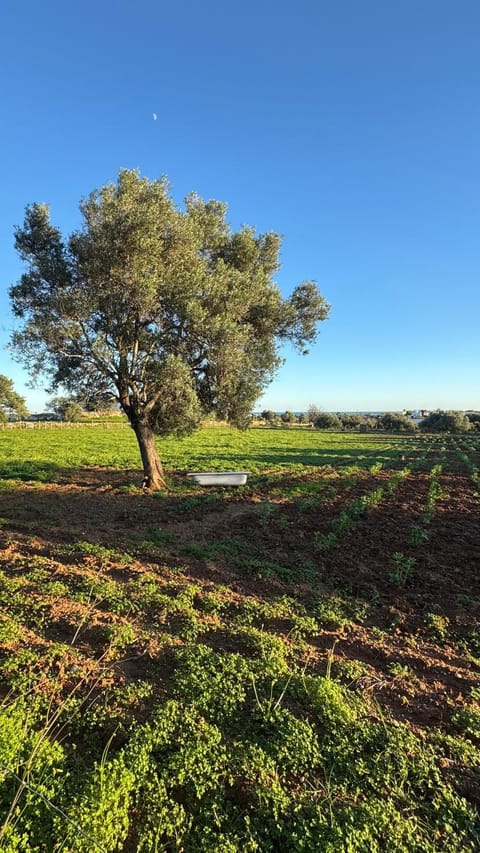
[[418, 414]]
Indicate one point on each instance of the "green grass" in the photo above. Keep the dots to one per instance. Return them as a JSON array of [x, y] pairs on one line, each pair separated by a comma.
[[53, 451]]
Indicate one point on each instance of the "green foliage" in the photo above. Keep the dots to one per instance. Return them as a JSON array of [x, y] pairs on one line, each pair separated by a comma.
[[347, 519], [468, 718], [356, 421], [267, 652], [265, 512], [349, 671], [101, 810], [402, 568], [96, 549], [32, 774], [338, 611], [327, 420], [177, 409], [333, 704], [436, 626], [44, 454], [12, 404], [395, 422], [450, 421], [474, 418], [67, 408], [289, 417], [418, 535], [435, 493], [216, 685], [73, 413], [312, 413], [269, 416]]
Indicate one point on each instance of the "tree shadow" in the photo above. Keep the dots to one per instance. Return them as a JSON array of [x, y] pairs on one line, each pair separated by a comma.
[[280, 456], [15, 471]]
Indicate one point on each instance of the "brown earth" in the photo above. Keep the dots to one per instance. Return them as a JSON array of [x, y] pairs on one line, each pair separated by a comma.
[[418, 642]]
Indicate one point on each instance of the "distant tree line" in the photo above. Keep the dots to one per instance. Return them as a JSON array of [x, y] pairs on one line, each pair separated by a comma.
[[74, 409], [440, 421]]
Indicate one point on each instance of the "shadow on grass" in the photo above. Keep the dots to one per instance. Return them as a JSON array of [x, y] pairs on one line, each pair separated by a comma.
[[39, 472], [14, 471], [282, 457]]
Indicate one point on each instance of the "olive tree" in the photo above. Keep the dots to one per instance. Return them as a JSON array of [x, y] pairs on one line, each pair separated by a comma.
[[327, 420], [67, 408], [354, 420], [312, 413], [73, 413], [451, 421], [288, 417], [474, 418], [269, 416], [395, 422], [164, 309]]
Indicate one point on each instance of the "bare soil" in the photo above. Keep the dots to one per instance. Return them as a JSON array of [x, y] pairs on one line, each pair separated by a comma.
[[420, 669]]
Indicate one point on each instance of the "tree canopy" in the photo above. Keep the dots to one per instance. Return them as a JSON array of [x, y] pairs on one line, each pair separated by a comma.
[[67, 408], [12, 404], [165, 310], [450, 421], [396, 422], [327, 420]]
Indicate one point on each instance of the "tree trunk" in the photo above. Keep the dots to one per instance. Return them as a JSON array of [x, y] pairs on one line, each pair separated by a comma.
[[153, 477]]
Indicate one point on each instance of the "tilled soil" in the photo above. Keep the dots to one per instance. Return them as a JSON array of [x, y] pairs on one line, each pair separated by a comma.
[[417, 639]]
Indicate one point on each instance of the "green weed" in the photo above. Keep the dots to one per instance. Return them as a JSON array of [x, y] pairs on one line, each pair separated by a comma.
[[436, 626], [418, 535], [402, 568]]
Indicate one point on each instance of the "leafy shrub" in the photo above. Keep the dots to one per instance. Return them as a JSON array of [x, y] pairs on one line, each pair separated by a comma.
[[355, 421], [395, 422], [73, 413], [327, 420], [289, 417], [270, 417], [474, 418], [453, 422]]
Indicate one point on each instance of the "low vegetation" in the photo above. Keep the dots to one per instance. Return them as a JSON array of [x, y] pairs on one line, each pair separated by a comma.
[[208, 671]]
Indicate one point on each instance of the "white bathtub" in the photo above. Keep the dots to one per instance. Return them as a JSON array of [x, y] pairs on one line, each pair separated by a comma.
[[220, 478]]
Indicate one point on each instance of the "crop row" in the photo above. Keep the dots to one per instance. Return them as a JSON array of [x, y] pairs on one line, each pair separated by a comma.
[[403, 564], [467, 461], [348, 518]]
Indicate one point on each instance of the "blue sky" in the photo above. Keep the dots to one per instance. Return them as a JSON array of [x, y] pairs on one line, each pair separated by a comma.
[[351, 128]]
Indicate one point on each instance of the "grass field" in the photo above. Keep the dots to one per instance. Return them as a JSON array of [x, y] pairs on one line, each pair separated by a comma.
[[292, 665], [50, 453]]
